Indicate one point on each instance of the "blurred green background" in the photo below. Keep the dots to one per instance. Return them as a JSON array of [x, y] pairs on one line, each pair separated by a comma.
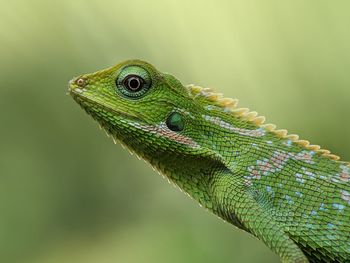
[[68, 194]]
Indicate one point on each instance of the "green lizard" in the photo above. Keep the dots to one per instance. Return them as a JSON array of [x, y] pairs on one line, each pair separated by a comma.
[[293, 196]]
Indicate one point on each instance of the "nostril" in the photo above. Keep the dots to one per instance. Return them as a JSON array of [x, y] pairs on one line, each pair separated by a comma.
[[81, 82]]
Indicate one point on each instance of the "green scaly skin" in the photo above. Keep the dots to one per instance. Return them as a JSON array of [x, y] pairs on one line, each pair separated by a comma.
[[292, 196]]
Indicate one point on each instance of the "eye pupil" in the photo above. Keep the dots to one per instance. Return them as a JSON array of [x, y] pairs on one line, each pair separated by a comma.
[[133, 83]]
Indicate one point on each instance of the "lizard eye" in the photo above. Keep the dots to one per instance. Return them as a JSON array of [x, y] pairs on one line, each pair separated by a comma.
[[133, 82]]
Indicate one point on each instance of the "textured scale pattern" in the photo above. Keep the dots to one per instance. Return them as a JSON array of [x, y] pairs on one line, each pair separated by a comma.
[[306, 192], [293, 196]]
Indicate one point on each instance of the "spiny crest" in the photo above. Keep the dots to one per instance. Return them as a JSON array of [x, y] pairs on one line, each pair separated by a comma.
[[230, 105]]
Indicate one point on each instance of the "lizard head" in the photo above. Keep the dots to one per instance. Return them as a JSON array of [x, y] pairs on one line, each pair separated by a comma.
[[149, 112], [137, 104]]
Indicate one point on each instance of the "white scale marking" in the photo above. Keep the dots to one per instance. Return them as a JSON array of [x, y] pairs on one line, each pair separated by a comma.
[[245, 132]]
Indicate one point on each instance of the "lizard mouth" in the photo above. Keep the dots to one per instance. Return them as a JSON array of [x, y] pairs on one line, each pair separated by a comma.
[[85, 102]]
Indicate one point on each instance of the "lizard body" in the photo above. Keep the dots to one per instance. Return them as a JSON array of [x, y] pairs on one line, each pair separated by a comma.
[[293, 196]]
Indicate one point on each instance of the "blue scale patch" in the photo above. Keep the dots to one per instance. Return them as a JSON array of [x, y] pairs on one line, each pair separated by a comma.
[[298, 194], [313, 213], [322, 207], [289, 199], [330, 225], [338, 206]]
